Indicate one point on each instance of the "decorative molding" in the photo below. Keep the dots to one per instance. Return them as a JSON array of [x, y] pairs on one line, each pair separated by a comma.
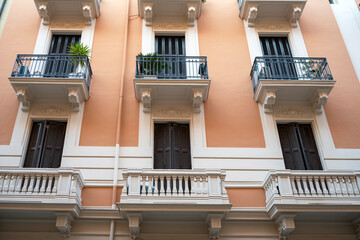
[[292, 110], [169, 25], [272, 26], [286, 225], [148, 15], [52, 110], [23, 97], [269, 101], [214, 221], [63, 223], [135, 220], [43, 12], [191, 15], [252, 16], [197, 100], [146, 100], [87, 14], [74, 100], [295, 16], [320, 101], [74, 24]]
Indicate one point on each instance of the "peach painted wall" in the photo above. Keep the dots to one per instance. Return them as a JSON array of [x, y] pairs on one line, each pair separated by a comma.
[[323, 39], [130, 111], [246, 197], [101, 110], [19, 36], [232, 117], [98, 196]]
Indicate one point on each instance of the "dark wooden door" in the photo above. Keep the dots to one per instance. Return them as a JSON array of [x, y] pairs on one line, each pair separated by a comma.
[[45, 145], [280, 63], [172, 50], [299, 147], [172, 146], [60, 66]]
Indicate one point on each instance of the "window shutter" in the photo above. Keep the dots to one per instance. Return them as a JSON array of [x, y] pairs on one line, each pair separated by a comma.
[[310, 152], [34, 149], [162, 146], [184, 147], [290, 147], [53, 145]]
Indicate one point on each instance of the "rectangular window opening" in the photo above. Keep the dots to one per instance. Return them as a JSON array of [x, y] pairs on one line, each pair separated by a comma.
[[299, 147], [45, 144], [172, 146]]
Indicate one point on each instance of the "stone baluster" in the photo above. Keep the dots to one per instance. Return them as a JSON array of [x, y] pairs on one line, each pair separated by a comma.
[[147, 187], [19, 181], [299, 186], [44, 182], [55, 188], [192, 186], [330, 184], [355, 186], [186, 185], [181, 187], [2, 176], [168, 189], [12, 184], [142, 185], [337, 186], [323, 185], [343, 186], [349, 186], [206, 185], [26, 183], [31, 184], [6, 184], [293, 185], [37, 183], [162, 186], [311, 185], [305, 185], [317, 186], [124, 191]]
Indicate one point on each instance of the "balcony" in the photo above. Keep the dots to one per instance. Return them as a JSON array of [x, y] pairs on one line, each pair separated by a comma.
[[255, 11], [169, 78], [179, 10], [55, 77], [40, 188], [329, 193], [74, 10], [291, 79]]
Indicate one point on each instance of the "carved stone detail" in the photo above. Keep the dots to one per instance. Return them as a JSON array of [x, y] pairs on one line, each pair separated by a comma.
[[295, 16], [67, 24], [292, 111], [320, 101], [214, 221], [272, 26], [285, 226], [252, 16], [24, 99], [269, 101], [74, 100], [135, 220], [51, 110], [44, 14], [191, 15], [146, 100], [87, 14], [63, 223], [148, 15], [169, 25], [197, 100]]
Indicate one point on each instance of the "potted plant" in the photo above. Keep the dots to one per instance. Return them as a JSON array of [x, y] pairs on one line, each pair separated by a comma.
[[151, 65], [312, 69], [77, 50]]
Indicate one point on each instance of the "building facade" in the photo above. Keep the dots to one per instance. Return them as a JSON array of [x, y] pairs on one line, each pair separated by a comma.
[[188, 119]]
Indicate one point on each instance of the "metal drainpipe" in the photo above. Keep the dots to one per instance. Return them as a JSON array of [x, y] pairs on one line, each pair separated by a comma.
[[118, 126]]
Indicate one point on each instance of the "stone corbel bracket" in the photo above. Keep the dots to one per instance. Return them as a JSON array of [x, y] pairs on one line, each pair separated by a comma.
[[87, 14], [191, 15], [74, 100], [270, 99], [146, 100], [148, 14], [197, 100], [286, 225], [63, 223], [253, 11], [135, 220], [321, 99], [214, 221], [295, 15], [23, 97], [43, 12]]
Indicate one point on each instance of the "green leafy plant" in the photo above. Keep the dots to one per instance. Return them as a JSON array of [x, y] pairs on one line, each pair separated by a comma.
[[79, 49], [312, 69], [152, 64]]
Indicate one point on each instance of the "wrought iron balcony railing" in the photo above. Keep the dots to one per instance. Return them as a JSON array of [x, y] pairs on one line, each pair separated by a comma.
[[171, 67], [52, 66], [289, 68]]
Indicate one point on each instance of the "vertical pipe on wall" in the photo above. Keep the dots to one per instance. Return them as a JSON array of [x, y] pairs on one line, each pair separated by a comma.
[[112, 229]]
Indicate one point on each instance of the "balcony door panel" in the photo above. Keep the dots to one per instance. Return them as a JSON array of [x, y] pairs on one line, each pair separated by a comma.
[[35, 145], [312, 159], [60, 66], [278, 49], [171, 50]]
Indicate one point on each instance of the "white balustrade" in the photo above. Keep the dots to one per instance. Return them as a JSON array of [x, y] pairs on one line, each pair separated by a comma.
[[41, 183], [311, 185], [202, 185]]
